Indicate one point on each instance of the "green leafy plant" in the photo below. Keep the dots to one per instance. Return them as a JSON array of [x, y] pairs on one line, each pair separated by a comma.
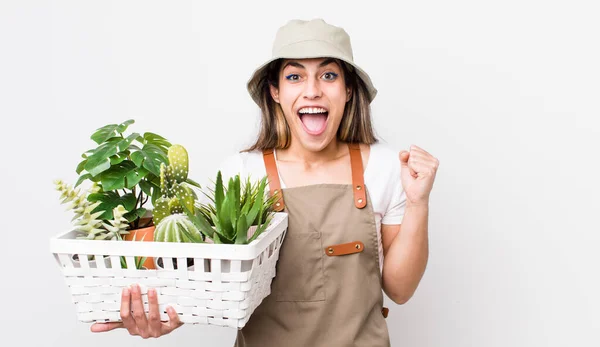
[[126, 168], [172, 225], [234, 209]]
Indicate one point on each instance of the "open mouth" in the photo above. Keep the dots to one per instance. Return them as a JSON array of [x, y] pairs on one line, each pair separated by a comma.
[[314, 119]]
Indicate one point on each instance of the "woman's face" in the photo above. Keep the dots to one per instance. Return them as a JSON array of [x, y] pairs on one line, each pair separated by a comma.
[[312, 94]]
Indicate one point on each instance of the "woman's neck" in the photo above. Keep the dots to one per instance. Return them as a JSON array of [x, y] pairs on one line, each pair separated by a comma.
[[297, 153]]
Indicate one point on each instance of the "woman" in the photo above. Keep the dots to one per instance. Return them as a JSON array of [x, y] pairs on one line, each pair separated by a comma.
[[347, 196]]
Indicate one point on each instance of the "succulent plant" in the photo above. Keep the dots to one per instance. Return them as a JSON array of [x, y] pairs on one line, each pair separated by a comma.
[[172, 225], [249, 193], [86, 220], [116, 227], [234, 210]]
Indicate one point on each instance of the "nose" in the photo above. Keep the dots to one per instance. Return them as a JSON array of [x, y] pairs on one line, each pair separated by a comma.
[[312, 89]]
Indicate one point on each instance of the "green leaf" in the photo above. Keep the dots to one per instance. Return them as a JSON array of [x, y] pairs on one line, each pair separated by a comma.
[[146, 187], [110, 200], [104, 133], [150, 157], [193, 183], [123, 126], [135, 176], [242, 230], [128, 201], [156, 140], [114, 178], [199, 220], [236, 196], [118, 158], [81, 179], [192, 236], [156, 193], [219, 232], [99, 161], [224, 219], [219, 194], [80, 166], [135, 214], [258, 204], [123, 144]]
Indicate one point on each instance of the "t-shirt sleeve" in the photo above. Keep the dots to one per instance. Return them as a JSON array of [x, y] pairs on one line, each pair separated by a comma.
[[395, 211]]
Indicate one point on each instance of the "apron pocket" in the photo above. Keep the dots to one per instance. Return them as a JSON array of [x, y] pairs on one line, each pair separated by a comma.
[[300, 274]]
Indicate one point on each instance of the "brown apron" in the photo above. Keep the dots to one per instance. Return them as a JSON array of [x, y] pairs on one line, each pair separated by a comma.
[[328, 287]]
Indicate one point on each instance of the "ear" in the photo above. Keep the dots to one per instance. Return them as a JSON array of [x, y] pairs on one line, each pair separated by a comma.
[[348, 94], [274, 93]]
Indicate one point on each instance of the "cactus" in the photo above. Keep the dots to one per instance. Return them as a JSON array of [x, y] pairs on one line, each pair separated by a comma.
[[172, 225], [177, 228]]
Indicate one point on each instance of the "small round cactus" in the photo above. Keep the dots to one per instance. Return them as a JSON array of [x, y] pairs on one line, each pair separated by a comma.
[[177, 228]]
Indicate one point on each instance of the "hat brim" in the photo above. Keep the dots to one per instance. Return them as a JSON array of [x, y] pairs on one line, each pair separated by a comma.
[[306, 50]]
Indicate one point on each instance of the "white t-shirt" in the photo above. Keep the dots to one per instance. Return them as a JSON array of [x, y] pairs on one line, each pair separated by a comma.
[[382, 179]]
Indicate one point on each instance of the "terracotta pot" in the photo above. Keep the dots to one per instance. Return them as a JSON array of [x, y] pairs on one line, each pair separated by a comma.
[[143, 234]]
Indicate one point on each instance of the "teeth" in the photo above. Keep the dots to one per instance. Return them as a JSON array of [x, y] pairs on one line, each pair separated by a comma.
[[312, 110]]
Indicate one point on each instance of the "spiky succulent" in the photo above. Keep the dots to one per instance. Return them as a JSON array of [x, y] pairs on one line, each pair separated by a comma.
[[249, 193], [234, 211]]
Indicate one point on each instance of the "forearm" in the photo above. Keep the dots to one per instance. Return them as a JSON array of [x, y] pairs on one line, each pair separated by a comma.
[[406, 259]]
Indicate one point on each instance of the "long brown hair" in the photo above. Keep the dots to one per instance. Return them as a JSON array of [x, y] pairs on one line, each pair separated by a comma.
[[356, 125]]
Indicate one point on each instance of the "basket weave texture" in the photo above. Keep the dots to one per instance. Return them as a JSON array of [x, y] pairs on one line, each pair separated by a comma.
[[211, 284]]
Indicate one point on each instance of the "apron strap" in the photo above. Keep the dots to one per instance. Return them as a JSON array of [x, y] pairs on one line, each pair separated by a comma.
[[273, 177], [358, 181]]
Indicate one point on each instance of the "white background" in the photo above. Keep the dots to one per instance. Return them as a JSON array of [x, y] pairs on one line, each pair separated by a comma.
[[505, 94]]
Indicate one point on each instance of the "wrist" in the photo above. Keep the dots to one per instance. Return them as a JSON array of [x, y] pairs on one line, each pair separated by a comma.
[[417, 204]]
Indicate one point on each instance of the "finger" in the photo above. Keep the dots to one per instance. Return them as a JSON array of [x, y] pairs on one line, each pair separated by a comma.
[[139, 314], [126, 317], [422, 157], [102, 327], [404, 156], [154, 323], [174, 321], [420, 166], [418, 149]]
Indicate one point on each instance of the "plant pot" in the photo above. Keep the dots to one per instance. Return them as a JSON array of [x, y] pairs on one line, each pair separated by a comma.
[[143, 234]]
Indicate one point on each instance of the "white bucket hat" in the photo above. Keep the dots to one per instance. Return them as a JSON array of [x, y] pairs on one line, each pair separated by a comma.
[[300, 39]]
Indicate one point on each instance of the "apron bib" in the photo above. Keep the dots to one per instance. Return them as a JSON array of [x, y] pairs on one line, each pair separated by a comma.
[[328, 287]]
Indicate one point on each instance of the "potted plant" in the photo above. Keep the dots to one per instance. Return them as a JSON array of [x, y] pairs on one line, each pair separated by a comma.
[[126, 168], [237, 214]]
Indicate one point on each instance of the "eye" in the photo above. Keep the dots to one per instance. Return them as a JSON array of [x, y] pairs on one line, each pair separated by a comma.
[[330, 76], [292, 77]]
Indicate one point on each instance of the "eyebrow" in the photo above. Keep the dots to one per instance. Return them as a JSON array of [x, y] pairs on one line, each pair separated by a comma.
[[298, 65]]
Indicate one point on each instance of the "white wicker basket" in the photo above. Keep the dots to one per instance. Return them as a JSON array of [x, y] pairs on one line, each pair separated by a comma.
[[223, 287]]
